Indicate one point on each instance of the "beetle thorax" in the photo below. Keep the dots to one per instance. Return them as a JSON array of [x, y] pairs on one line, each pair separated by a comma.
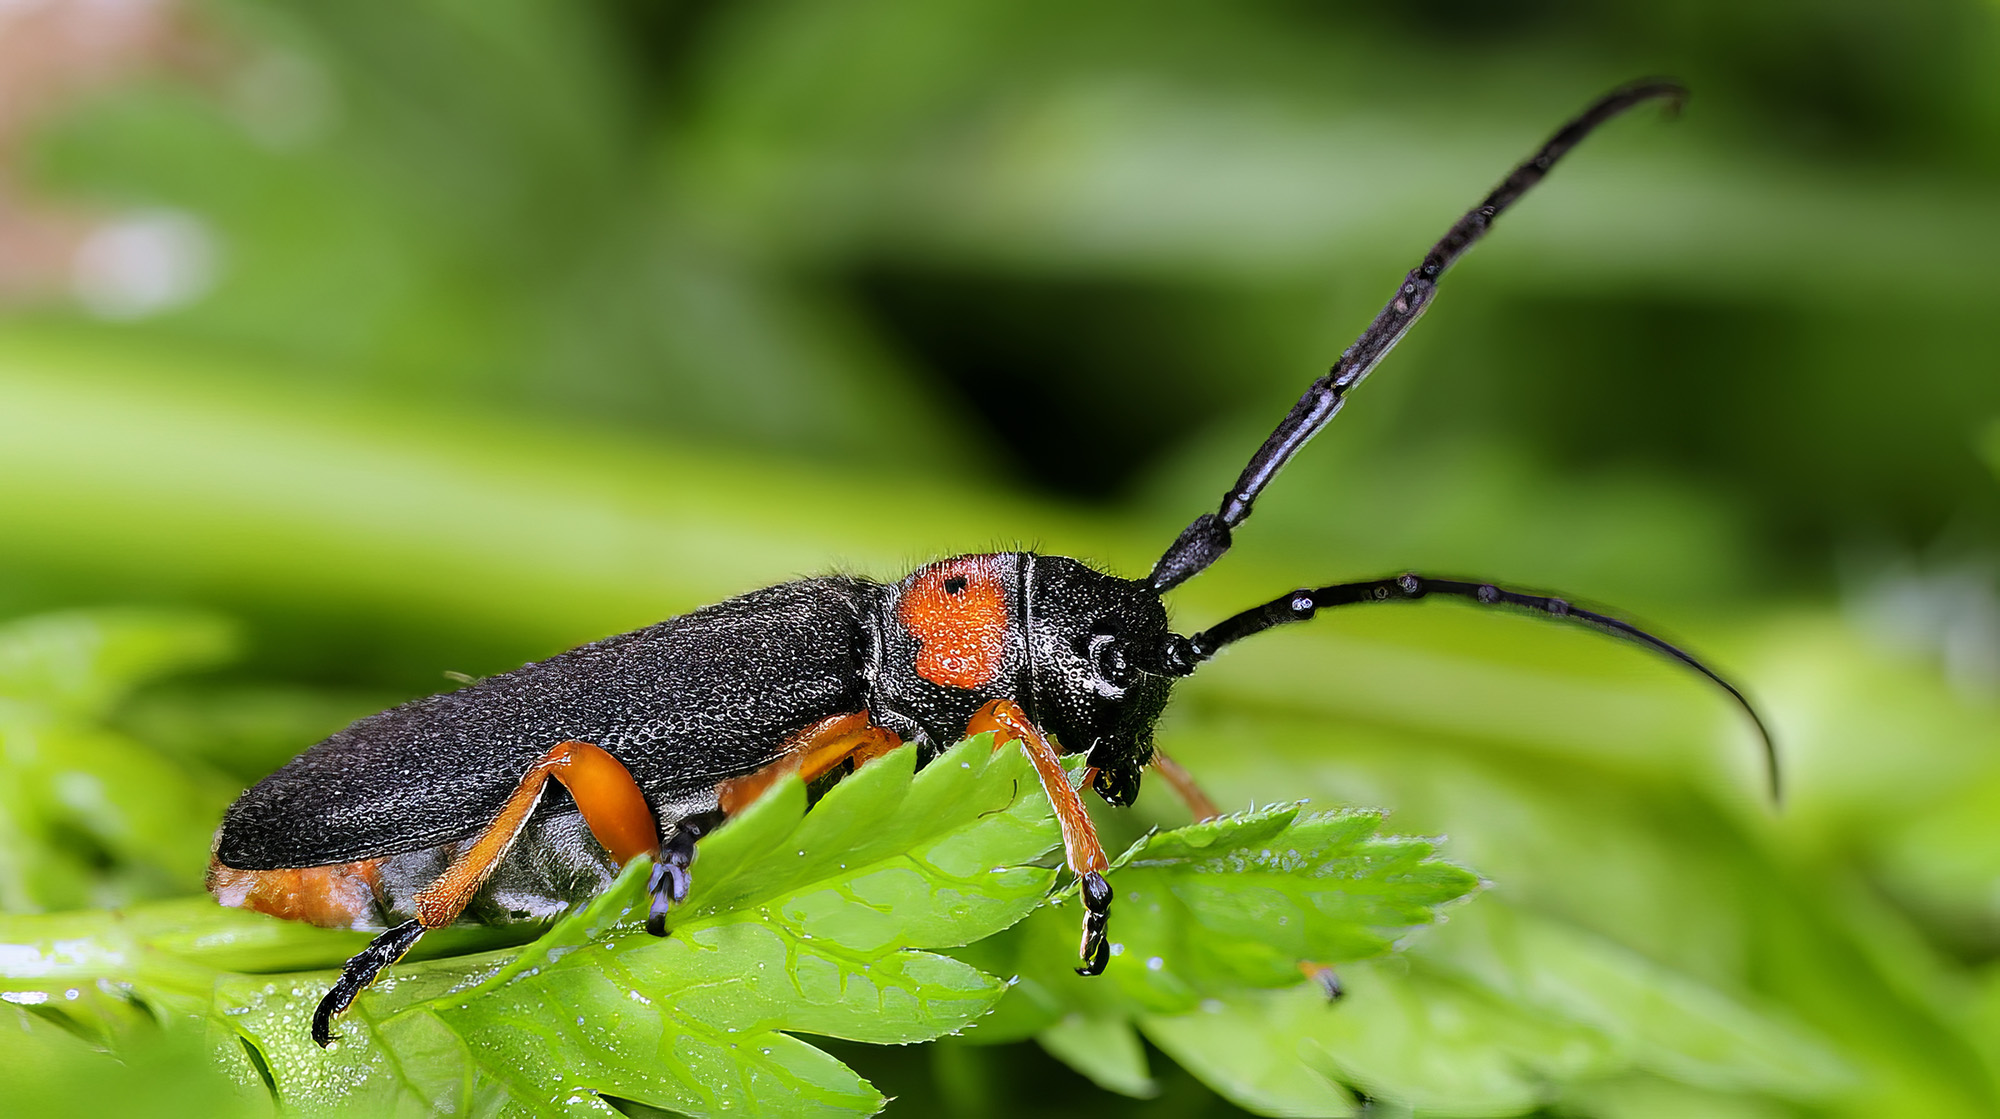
[[1062, 639]]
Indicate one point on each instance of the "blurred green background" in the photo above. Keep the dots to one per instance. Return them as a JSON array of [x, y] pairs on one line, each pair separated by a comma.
[[403, 338]]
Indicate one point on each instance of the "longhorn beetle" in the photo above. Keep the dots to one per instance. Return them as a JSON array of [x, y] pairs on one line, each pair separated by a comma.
[[435, 812]]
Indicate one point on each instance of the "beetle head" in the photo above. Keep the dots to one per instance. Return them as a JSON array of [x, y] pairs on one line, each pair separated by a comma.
[[1095, 671]]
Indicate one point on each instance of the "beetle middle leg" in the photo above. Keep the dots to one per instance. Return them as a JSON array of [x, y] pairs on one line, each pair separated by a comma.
[[670, 880], [809, 754], [1183, 783], [612, 807], [1085, 854]]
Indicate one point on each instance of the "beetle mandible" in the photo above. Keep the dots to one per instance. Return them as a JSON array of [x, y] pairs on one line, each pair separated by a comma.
[[436, 811]]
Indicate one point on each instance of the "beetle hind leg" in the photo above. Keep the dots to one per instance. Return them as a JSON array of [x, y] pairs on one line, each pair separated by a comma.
[[612, 807], [355, 977]]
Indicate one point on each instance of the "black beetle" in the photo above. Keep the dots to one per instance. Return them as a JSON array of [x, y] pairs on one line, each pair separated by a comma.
[[436, 812]]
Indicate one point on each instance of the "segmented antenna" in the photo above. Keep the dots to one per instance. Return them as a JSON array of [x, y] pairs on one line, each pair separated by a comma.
[[1204, 541], [1184, 655]]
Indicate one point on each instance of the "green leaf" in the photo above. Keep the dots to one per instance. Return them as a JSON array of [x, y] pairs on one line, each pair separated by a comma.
[[1496, 1014], [798, 922], [47, 1069], [1104, 1048], [81, 663], [88, 816], [1249, 1048], [1245, 899], [1210, 910]]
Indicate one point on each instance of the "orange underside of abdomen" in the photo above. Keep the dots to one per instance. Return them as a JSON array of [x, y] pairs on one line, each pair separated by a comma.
[[341, 896]]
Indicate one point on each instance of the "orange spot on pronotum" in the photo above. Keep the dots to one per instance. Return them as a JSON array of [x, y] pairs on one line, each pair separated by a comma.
[[957, 611]]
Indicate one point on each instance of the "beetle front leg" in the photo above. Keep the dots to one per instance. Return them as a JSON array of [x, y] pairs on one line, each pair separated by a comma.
[[1081, 847]]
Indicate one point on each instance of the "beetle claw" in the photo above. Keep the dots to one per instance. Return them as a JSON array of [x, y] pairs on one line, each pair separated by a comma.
[[670, 881], [1323, 975], [358, 973], [1096, 950], [669, 884]]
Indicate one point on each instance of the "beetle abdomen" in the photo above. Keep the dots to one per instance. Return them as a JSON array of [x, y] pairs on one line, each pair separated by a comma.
[[682, 704], [553, 864]]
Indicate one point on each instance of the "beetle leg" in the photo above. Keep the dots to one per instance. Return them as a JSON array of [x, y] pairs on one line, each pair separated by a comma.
[[359, 972], [670, 880], [1080, 844], [809, 754], [1323, 974], [612, 806], [1183, 784]]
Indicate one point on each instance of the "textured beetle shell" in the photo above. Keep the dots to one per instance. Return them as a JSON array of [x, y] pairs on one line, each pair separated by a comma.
[[684, 704]]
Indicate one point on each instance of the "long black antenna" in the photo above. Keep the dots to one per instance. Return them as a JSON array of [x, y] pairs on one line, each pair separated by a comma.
[[1301, 605], [1204, 541]]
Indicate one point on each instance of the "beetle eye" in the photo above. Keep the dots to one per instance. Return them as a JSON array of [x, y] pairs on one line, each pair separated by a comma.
[[1108, 660]]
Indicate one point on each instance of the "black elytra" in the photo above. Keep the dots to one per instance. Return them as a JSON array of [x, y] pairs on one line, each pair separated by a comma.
[[437, 811]]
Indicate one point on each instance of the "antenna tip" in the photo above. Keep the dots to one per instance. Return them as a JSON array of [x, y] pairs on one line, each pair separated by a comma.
[[1670, 90], [1772, 771]]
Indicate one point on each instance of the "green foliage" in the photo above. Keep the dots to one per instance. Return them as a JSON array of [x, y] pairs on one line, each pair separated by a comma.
[[87, 815], [534, 322], [1216, 918], [1214, 910], [1233, 904], [821, 922], [798, 923]]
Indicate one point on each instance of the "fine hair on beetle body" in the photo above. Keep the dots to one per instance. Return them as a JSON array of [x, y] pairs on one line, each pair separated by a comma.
[[442, 810]]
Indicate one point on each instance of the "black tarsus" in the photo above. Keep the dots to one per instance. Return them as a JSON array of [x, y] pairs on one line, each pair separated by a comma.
[[1301, 605], [670, 880], [1327, 980], [359, 972], [1208, 537], [1096, 948]]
